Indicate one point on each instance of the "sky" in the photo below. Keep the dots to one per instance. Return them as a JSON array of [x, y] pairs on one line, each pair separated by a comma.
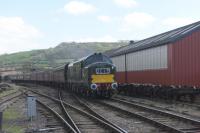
[[38, 24]]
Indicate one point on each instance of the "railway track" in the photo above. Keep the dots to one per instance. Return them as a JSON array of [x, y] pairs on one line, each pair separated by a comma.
[[171, 122], [67, 115], [8, 99], [189, 104], [186, 103], [98, 115], [186, 109], [82, 120], [76, 101], [55, 109], [124, 120], [167, 122]]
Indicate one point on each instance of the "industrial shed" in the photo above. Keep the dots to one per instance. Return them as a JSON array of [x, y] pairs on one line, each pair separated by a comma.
[[170, 58]]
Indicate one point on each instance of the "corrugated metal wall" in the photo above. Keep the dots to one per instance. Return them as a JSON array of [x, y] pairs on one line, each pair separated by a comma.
[[149, 66], [149, 59], [119, 61], [146, 66], [185, 61]]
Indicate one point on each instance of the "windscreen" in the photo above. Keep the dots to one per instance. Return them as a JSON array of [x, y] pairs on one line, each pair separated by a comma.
[[97, 58]]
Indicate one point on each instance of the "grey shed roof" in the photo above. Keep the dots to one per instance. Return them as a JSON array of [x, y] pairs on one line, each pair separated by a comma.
[[158, 40]]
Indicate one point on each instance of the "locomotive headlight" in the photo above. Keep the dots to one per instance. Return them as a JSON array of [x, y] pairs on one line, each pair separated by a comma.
[[114, 85], [93, 86]]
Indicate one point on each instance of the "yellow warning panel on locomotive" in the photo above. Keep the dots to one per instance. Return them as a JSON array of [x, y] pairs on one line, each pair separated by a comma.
[[103, 78]]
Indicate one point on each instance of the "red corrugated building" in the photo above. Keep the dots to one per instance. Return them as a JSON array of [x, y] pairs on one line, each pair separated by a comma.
[[170, 58]]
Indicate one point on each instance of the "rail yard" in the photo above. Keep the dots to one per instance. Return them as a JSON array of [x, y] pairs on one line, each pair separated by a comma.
[[149, 86], [61, 111]]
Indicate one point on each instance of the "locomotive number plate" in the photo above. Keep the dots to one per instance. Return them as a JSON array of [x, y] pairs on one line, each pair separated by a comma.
[[102, 70]]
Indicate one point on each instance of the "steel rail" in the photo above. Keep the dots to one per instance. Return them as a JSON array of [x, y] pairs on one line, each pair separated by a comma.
[[98, 115], [194, 105], [70, 120], [11, 98], [57, 115], [82, 112], [12, 93], [151, 121], [166, 113]]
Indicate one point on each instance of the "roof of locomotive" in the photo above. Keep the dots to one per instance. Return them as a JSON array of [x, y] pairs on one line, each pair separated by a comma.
[[92, 58], [60, 67]]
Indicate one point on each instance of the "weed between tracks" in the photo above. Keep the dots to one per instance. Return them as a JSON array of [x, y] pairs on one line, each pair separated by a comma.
[[13, 129], [7, 92], [11, 116]]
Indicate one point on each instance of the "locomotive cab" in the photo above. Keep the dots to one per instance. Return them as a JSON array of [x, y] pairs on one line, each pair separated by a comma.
[[100, 72], [94, 74], [101, 75]]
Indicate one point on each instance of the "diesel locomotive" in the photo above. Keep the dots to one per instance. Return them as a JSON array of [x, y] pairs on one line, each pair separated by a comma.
[[93, 75]]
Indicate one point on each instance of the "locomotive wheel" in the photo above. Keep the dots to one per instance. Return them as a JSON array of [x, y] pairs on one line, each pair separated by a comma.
[[87, 93], [101, 94], [83, 93], [192, 98], [94, 94], [109, 94]]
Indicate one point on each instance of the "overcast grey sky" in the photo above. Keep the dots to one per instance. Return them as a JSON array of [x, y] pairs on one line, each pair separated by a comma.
[[36, 24]]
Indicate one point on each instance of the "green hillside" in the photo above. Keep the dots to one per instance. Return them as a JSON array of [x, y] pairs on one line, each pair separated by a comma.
[[53, 57]]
